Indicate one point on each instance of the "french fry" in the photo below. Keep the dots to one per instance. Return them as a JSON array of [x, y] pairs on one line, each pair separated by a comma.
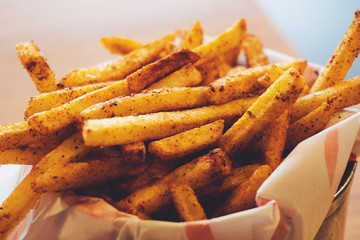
[[36, 65], [210, 71], [152, 72], [208, 168], [223, 43], [59, 117], [166, 152], [148, 102], [134, 152], [273, 140], [348, 91], [270, 76], [187, 76], [277, 98], [254, 53], [235, 70], [81, 174], [244, 82], [22, 134], [119, 45], [118, 68], [243, 197], [26, 155], [186, 143], [342, 59], [238, 176], [23, 198], [186, 202], [313, 122], [47, 101], [123, 130], [193, 38]]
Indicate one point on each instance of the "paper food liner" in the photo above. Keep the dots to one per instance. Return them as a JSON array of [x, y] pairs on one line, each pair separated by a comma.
[[292, 202]]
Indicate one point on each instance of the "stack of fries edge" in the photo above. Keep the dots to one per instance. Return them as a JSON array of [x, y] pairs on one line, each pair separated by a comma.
[[170, 126]]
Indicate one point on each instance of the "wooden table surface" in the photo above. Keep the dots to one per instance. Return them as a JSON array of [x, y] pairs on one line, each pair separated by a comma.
[[68, 34]]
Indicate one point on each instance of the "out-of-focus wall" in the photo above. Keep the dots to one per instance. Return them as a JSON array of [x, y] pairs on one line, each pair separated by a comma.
[[314, 28]]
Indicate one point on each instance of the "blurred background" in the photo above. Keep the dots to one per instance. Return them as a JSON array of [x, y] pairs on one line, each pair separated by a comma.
[[68, 34]]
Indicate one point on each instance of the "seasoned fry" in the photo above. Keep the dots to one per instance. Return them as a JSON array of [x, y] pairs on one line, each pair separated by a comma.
[[313, 122], [212, 70], [238, 176], [166, 152], [26, 155], [47, 101], [254, 53], [223, 43], [148, 102], [273, 141], [243, 197], [348, 91], [23, 198], [187, 76], [186, 143], [22, 134], [186, 202], [36, 65], [208, 168], [277, 98], [342, 59], [244, 82], [118, 68], [193, 38], [134, 152], [123, 130], [119, 45], [59, 117], [270, 76], [152, 72], [235, 70], [81, 174]]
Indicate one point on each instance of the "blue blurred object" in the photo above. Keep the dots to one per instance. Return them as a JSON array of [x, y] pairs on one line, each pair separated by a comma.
[[313, 28]]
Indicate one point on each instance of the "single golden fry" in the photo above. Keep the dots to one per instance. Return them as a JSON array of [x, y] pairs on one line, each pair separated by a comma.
[[36, 65], [186, 202], [223, 43], [244, 82], [254, 53], [148, 102], [23, 198], [187, 76], [26, 155], [134, 152], [235, 70], [243, 197], [273, 141], [348, 91], [119, 45], [186, 143], [22, 134], [81, 174], [47, 101], [153, 72], [193, 38], [238, 176], [59, 117], [277, 98], [313, 122], [208, 168], [342, 59], [119, 68], [270, 76], [123, 130]]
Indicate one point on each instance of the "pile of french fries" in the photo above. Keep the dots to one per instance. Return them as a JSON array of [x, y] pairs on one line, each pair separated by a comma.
[[173, 126]]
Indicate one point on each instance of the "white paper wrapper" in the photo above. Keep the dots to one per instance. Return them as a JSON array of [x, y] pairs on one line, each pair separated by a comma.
[[292, 202]]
